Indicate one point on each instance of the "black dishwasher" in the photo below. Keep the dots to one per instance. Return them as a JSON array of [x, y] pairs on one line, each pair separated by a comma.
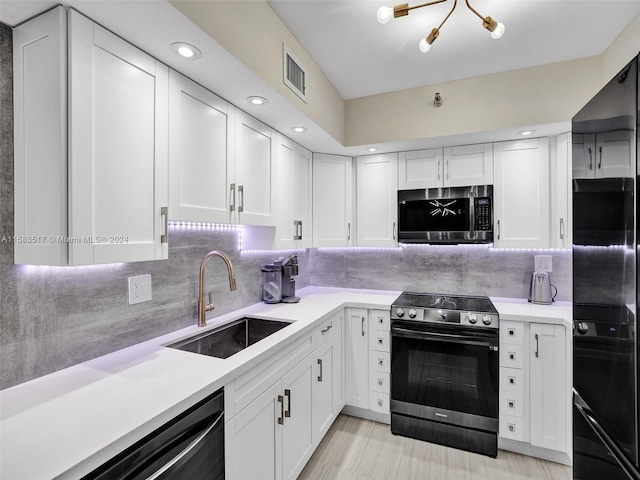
[[189, 446]]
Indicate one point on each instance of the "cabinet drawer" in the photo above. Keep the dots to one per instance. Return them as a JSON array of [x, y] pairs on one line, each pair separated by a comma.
[[512, 380], [325, 330], [379, 382], [512, 356], [512, 332], [511, 404], [378, 341], [380, 362], [379, 320], [379, 402], [512, 427]]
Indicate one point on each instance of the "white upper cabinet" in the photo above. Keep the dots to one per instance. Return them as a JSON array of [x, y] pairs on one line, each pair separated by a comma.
[[603, 155], [377, 200], [561, 194], [117, 150], [521, 193], [446, 167], [198, 152], [332, 201], [254, 185]]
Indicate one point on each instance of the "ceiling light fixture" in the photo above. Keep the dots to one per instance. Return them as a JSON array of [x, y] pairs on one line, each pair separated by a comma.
[[186, 51], [386, 13], [255, 100], [299, 129], [372, 149], [526, 133]]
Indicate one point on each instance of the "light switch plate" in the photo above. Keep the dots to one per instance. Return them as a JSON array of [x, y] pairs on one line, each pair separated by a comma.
[[139, 289], [543, 263]]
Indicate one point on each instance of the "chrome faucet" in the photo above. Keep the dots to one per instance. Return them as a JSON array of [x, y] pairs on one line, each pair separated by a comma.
[[203, 307]]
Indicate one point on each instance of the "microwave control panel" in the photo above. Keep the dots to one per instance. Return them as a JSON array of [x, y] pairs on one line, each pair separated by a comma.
[[482, 210]]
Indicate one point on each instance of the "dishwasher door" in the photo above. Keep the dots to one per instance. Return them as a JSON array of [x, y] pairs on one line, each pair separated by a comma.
[[189, 446]]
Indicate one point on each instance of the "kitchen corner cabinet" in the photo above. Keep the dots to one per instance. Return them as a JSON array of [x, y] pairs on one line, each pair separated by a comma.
[[199, 146], [357, 358], [521, 193], [561, 193], [332, 201], [115, 117], [272, 431], [535, 390], [603, 155], [294, 187], [377, 200], [458, 166]]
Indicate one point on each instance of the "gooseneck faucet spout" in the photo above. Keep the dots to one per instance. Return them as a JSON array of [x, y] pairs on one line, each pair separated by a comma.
[[203, 307]]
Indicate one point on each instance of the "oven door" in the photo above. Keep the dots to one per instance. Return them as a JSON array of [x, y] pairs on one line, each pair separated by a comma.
[[445, 373]]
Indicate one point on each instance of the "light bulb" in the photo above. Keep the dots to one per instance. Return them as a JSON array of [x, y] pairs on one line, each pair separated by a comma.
[[186, 52], [424, 46], [498, 32], [385, 14]]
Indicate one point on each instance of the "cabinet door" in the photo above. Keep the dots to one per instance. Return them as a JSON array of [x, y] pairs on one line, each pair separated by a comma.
[[332, 200], [40, 140], [255, 154], [302, 195], [118, 148], [549, 387], [285, 160], [325, 406], [198, 132], [420, 169], [377, 200], [253, 439], [561, 194], [521, 194], [468, 165], [614, 154], [357, 358], [297, 434]]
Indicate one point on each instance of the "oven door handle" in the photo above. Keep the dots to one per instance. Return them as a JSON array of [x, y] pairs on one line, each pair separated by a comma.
[[442, 337]]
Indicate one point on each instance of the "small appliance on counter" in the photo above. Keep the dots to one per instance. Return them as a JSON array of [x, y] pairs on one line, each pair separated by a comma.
[[277, 282], [540, 289]]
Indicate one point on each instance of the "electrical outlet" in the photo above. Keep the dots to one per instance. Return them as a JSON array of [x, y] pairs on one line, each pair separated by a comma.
[[139, 289], [543, 263]]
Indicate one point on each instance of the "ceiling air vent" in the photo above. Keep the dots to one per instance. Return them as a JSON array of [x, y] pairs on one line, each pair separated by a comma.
[[294, 74]]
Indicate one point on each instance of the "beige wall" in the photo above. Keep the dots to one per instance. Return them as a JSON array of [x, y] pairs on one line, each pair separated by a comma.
[[253, 33], [621, 51]]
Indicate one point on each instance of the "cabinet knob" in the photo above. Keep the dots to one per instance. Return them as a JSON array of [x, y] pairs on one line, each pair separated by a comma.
[[512, 380], [379, 402], [512, 404], [512, 356], [380, 340], [380, 382], [380, 361], [512, 332], [512, 427]]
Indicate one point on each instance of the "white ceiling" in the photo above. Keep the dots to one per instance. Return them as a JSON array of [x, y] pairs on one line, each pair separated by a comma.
[[362, 57]]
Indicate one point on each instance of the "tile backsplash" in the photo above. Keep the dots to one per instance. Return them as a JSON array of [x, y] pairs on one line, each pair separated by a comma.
[[55, 317]]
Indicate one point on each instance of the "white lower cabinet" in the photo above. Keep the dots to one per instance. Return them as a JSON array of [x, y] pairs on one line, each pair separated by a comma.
[[357, 358], [535, 390], [275, 434]]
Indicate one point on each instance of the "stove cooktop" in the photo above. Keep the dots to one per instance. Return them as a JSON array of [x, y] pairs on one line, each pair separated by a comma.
[[445, 302]]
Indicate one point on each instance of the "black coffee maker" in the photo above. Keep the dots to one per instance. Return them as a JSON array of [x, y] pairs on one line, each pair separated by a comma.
[[277, 282]]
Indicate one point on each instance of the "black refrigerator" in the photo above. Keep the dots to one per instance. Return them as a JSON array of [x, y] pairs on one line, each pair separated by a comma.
[[605, 282]]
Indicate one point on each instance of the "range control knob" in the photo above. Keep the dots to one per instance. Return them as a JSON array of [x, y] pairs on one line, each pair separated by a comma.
[[582, 327], [486, 319], [412, 313], [472, 318], [400, 312]]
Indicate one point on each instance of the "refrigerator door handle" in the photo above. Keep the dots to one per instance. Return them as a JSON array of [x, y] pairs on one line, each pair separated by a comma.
[[604, 437]]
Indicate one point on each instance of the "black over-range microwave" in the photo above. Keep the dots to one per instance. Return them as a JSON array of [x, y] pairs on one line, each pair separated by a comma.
[[446, 215]]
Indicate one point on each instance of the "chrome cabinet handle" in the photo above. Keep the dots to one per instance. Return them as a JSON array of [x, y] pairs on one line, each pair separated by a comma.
[[561, 228], [590, 159], [349, 231], [232, 197], [320, 363], [393, 230], [281, 418], [600, 162], [498, 229], [438, 169], [164, 215], [536, 335], [363, 326], [297, 227], [241, 195], [287, 393], [447, 169], [325, 330]]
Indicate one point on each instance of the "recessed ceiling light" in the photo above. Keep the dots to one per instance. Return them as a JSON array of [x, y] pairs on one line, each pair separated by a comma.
[[372, 149], [257, 100], [526, 133], [186, 51], [299, 129]]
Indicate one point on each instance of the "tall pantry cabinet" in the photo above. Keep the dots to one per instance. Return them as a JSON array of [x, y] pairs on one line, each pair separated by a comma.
[[84, 157]]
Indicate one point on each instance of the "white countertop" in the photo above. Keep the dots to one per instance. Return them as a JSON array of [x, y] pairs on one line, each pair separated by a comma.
[[69, 422]]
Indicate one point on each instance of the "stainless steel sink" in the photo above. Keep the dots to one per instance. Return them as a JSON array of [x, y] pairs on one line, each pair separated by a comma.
[[231, 338]]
